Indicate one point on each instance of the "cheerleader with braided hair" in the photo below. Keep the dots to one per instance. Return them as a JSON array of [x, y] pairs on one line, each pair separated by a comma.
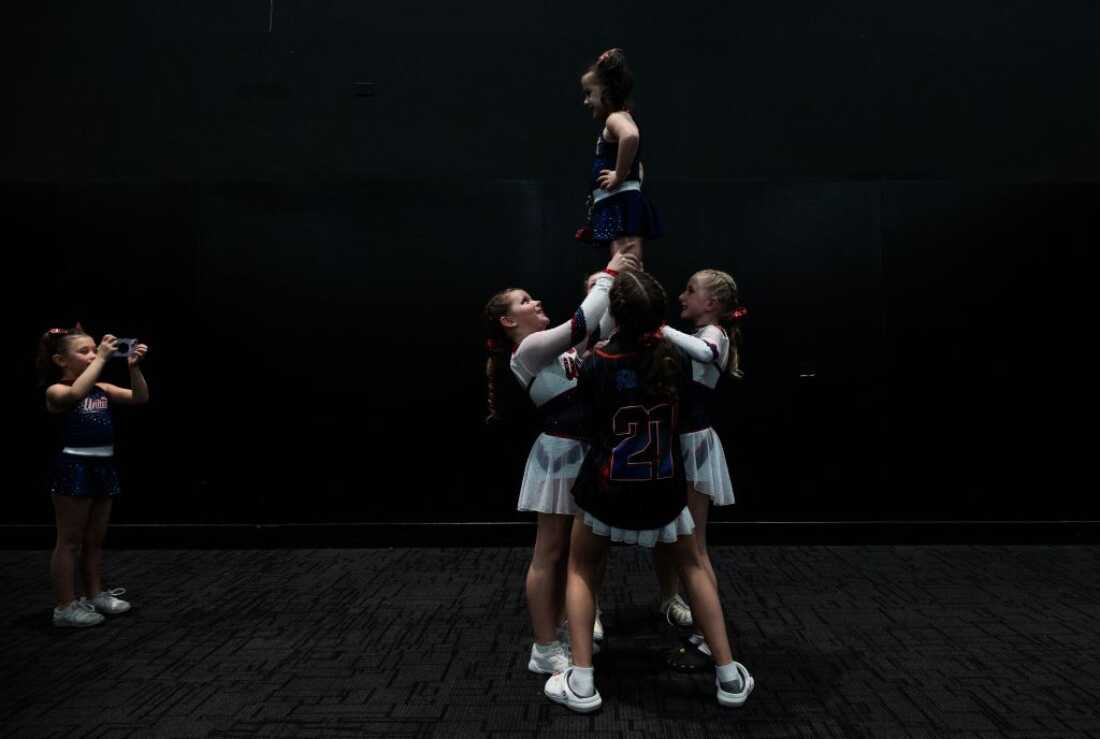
[[631, 487], [712, 304], [543, 362]]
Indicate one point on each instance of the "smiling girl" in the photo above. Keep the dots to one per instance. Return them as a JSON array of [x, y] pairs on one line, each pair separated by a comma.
[[83, 481], [619, 214], [544, 362]]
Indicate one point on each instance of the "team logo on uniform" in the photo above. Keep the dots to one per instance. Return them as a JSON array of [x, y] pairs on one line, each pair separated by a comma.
[[91, 405]]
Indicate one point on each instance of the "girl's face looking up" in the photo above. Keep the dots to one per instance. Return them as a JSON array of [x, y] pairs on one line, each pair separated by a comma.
[[525, 315]]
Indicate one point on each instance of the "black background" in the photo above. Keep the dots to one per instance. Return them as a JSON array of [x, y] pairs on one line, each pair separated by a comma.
[[905, 195]]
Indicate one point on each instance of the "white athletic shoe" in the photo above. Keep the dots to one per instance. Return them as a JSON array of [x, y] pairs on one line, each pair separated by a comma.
[[597, 628], [107, 601], [550, 661], [735, 692], [676, 611], [77, 614], [558, 690]]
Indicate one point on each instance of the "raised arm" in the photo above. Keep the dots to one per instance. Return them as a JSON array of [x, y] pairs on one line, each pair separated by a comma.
[[539, 349], [60, 397], [603, 333], [607, 325], [138, 392], [706, 349]]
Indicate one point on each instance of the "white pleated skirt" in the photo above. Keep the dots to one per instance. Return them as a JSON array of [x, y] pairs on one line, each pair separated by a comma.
[[683, 525], [552, 468], [705, 465]]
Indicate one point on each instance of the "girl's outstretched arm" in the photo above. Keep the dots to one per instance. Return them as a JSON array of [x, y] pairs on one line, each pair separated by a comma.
[[607, 325], [539, 349], [60, 397], [707, 349]]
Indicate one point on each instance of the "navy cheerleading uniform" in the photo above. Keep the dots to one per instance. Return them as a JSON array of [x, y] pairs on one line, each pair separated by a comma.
[[704, 459], [631, 486], [546, 364], [624, 211], [85, 466]]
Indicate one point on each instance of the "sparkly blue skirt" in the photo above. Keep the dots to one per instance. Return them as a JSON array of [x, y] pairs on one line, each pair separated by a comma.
[[82, 477], [626, 214]]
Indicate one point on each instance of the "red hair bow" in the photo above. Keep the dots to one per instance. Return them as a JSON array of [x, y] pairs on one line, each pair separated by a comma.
[[652, 338], [738, 313]]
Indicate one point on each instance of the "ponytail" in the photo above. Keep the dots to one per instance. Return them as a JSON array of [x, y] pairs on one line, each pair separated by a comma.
[[638, 304], [53, 342], [500, 389]]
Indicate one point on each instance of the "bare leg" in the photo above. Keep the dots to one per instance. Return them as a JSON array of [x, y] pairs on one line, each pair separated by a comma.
[[71, 516], [544, 598], [561, 577], [699, 506], [705, 604], [94, 532], [586, 549], [628, 245]]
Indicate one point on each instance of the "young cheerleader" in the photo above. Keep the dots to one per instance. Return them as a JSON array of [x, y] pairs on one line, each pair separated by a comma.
[[544, 362], [631, 487], [83, 481], [710, 301], [619, 213]]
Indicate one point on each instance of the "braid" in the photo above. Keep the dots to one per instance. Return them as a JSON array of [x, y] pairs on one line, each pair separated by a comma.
[[499, 401], [638, 303]]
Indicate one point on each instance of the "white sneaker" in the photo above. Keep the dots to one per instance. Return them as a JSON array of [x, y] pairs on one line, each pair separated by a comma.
[[735, 692], [107, 601], [77, 614], [676, 611], [597, 628], [558, 690], [550, 661]]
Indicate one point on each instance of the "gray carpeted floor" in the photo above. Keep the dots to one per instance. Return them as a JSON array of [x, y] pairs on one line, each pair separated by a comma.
[[860, 641]]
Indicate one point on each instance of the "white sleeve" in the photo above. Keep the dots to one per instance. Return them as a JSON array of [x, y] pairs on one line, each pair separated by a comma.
[[607, 325], [541, 348], [705, 350], [599, 336]]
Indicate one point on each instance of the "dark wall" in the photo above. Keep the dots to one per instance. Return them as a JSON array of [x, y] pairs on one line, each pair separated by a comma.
[[905, 198]]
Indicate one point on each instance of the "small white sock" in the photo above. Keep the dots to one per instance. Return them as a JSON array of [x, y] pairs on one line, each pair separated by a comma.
[[582, 681], [729, 677], [547, 648]]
